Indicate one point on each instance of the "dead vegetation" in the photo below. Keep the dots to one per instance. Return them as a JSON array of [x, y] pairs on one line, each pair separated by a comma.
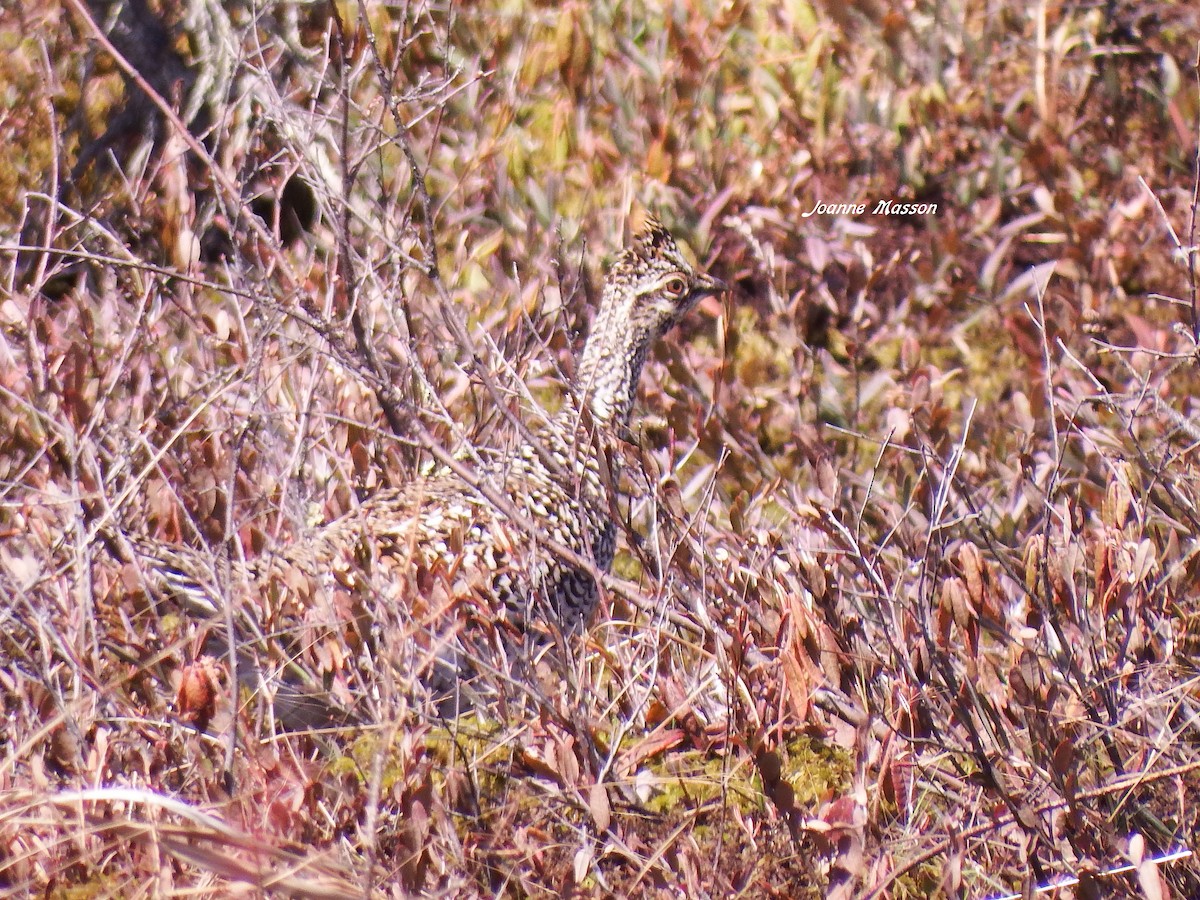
[[906, 604]]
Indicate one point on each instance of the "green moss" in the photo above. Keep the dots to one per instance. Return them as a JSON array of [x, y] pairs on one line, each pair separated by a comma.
[[688, 780], [98, 884], [815, 770]]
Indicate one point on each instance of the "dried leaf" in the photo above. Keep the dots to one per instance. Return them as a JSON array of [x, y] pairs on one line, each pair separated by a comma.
[[583, 862], [599, 806], [197, 693], [975, 574], [653, 744]]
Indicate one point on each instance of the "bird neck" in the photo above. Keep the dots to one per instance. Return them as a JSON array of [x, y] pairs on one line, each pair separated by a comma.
[[611, 365]]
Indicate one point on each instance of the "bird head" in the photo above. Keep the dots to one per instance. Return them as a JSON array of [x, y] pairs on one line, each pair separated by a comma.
[[654, 284]]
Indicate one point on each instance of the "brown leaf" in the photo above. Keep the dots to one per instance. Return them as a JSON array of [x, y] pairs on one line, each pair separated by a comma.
[[1033, 564], [975, 574], [196, 697], [567, 764], [845, 818], [799, 674], [599, 806], [827, 479], [1064, 757], [1118, 498], [651, 745]]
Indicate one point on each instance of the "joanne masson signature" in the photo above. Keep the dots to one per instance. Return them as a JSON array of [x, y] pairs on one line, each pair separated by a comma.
[[881, 208]]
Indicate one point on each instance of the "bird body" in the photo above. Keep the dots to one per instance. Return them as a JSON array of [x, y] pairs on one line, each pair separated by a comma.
[[484, 547]]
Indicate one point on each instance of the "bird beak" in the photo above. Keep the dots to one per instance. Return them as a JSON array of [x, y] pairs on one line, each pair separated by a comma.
[[706, 284]]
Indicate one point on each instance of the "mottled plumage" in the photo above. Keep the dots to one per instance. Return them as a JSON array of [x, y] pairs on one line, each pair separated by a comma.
[[451, 558]]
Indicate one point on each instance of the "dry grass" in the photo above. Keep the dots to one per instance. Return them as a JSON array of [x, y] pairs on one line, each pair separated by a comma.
[[906, 601]]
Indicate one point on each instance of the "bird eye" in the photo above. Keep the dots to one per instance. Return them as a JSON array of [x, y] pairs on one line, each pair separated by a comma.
[[676, 286]]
